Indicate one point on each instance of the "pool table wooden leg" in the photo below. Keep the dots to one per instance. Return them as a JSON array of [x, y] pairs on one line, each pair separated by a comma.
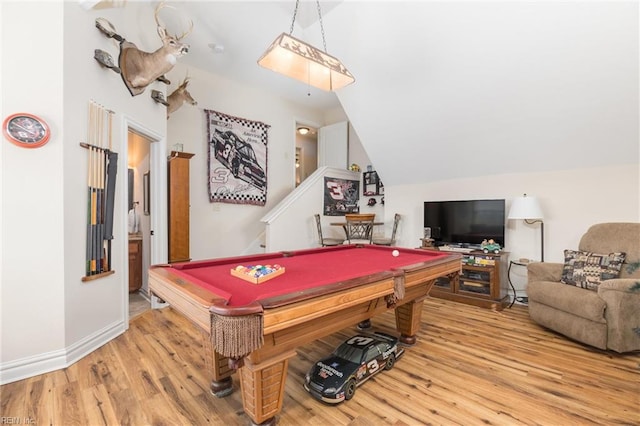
[[218, 365], [408, 320], [263, 387]]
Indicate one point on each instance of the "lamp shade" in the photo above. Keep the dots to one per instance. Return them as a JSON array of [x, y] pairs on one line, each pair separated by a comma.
[[296, 59], [525, 208]]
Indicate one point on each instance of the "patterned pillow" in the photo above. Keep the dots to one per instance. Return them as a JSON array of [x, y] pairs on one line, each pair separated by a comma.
[[588, 270]]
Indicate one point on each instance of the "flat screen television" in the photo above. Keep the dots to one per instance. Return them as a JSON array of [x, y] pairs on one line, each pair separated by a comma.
[[465, 223]]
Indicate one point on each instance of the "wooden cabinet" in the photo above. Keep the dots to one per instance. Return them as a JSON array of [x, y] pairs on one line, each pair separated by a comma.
[[482, 281], [179, 206], [135, 264]]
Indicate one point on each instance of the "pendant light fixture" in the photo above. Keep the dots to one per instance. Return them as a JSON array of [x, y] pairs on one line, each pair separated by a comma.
[[294, 58]]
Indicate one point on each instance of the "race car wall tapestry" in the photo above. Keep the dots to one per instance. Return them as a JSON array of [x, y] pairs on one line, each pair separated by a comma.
[[237, 159]]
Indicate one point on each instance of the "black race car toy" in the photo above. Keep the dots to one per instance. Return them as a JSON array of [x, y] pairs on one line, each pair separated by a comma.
[[335, 378]]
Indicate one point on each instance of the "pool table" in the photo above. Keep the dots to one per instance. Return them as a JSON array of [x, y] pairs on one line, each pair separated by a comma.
[[255, 328]]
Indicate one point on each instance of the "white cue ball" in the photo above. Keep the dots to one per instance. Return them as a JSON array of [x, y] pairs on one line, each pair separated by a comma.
[[395, 253]]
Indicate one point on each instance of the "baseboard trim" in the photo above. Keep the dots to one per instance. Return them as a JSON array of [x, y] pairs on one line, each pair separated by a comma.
[[24, 368]]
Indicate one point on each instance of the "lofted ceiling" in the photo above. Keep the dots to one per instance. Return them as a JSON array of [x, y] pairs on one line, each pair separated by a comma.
[[229, 36], [450, 89]]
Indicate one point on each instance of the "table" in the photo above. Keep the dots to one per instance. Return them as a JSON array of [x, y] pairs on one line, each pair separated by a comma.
[[344, 226], [255, 328]]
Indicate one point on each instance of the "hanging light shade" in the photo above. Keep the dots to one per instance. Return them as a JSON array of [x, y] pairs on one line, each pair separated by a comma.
[[294, 58]]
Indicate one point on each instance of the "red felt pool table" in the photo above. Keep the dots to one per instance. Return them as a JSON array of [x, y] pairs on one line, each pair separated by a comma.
[[256, 327]]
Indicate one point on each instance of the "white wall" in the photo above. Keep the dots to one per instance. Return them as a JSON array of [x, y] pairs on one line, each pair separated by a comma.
[[50, 317], [571, 200], [291, 225], [220, 229], [506, 86], [32, 264]]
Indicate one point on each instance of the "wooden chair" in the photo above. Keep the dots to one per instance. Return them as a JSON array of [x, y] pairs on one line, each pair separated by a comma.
[[325, 242], [359, 231], [384, 241]]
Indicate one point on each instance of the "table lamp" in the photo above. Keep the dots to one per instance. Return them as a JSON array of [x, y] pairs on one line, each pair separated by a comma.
[[528, 209]]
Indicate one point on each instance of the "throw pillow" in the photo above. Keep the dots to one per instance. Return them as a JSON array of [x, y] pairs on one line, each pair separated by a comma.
[[588, 270]]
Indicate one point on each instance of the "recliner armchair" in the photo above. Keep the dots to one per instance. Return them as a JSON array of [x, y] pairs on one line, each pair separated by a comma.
[[608, 318]]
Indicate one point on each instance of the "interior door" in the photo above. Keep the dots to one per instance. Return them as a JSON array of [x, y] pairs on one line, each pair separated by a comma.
[[333, 145]]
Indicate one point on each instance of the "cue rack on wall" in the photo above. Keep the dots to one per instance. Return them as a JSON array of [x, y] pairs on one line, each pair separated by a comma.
[[101, 179]]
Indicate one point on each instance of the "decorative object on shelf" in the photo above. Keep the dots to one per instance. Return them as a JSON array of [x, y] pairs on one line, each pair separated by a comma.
[[237, 164], [490, 246], [139, 68], [294, 58], [528, 209], [158, 96], [427, 242], [26, 130], [180, 96], [106, 60], [354, 167], [178, 147]]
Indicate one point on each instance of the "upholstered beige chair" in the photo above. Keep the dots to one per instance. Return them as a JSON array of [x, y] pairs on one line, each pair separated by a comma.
[[607, 316]]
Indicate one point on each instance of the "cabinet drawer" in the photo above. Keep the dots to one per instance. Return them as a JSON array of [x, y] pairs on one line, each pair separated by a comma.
[[474, 286], [134, 247], [476, 274]]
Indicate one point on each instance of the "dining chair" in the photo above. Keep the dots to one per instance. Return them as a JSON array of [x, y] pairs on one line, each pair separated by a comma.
[[389, 241], [358, 231], [326, 241]]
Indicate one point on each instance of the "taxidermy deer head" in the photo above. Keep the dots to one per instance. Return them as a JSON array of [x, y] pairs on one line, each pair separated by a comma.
[[179, 97], [139, 68]]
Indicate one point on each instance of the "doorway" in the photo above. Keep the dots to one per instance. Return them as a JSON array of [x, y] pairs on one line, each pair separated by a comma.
[[306, 161], [149, 157], [138, 221]]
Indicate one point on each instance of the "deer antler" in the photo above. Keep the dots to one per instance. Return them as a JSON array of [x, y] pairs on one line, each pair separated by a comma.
[[159, 22], [185, 82]]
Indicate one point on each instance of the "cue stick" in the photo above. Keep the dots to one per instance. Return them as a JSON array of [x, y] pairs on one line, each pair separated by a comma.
[[93, 185], [99, 193], [89, 193], [89, 211], [112, 170]]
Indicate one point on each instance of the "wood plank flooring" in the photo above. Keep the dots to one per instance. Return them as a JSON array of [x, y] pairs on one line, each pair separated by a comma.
[[471, 366]]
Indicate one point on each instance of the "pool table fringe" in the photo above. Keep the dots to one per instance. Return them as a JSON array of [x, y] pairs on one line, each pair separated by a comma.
[[236, 336]]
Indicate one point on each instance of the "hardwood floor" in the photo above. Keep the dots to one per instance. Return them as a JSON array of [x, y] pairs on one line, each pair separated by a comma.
[[471, 366]]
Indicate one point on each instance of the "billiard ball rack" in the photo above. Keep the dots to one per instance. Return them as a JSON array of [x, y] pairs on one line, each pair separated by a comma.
[[242, 273]]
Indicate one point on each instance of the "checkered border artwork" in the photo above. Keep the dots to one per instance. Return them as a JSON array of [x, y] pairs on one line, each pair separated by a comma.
[[237, 160]]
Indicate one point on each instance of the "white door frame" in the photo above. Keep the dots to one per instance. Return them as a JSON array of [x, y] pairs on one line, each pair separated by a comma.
[[158, 219]]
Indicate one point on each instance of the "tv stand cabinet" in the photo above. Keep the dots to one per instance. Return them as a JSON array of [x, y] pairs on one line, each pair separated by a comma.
[[482, 281]]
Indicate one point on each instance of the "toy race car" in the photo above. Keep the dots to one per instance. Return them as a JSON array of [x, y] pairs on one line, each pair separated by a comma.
[[335, 378], [490, 246]]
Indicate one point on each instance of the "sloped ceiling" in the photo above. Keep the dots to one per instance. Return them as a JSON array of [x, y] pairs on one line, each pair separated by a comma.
[[448, 89]]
